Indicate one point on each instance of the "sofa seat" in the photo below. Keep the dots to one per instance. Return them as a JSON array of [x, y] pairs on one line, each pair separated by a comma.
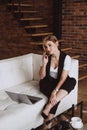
[[10, 109]]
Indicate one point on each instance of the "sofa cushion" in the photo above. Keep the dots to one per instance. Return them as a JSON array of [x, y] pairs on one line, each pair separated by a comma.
[[15, 70]]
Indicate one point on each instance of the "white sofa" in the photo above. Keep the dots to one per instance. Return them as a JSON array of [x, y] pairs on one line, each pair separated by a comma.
[[20, 74]]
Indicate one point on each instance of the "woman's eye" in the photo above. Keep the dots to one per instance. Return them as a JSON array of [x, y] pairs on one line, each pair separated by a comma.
[[49, 45]]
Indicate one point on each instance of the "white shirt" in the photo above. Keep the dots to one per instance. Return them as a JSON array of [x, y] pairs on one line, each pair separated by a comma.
[[67, 64]]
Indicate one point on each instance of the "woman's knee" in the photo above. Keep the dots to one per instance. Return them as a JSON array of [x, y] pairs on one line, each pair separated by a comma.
[[72, 85], [73, 81]]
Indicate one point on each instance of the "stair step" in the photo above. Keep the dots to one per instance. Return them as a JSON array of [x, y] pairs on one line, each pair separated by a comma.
[[41, 34], [26, 19], [16, 4], [25, 11], [75, 56], [35, 26], [66, 49], [38, 34], [36, 43], [82, 76], [83, 65], [61, 40]]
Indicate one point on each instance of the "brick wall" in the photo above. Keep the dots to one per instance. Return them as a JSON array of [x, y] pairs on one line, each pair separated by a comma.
[[74, 25]]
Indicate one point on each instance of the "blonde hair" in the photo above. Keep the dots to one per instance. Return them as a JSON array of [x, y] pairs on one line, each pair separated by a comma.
[[52, 38]]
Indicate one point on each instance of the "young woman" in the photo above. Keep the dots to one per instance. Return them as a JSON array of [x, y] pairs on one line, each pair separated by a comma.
[[55, 82]]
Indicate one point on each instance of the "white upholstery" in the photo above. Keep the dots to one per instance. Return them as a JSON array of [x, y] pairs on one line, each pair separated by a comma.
[[20, 74], [15, 71]]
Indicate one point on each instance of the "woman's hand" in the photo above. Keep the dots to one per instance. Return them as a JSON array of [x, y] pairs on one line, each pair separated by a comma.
[[53, 97], [45, 59], [53, 93], [42, 71], [53, 100]]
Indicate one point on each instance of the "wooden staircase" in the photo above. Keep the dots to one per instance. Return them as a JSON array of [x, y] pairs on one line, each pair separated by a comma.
[[82, 71], [36, 27], [17, 5]]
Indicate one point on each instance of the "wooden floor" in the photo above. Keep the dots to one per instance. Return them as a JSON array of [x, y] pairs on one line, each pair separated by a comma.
[[82, 96]]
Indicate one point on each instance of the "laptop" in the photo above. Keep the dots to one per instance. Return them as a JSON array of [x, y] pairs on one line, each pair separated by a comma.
[[23, 98]]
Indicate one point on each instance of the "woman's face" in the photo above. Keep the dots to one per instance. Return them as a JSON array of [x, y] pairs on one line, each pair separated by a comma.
[[50, 47]]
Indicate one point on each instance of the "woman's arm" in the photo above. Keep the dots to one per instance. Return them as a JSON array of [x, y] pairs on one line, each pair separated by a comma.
[[62, 79], [42, 71], [60, 83], [65, 72]]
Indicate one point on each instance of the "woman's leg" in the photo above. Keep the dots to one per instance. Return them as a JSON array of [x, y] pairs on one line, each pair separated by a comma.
[[50, 116], [60, 95], [54, 108], [46, 87]]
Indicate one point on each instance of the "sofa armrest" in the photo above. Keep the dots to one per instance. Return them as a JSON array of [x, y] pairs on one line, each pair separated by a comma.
[[74, 69]]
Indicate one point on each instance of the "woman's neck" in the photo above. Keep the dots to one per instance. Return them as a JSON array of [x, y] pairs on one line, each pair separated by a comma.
[[56, 54]]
